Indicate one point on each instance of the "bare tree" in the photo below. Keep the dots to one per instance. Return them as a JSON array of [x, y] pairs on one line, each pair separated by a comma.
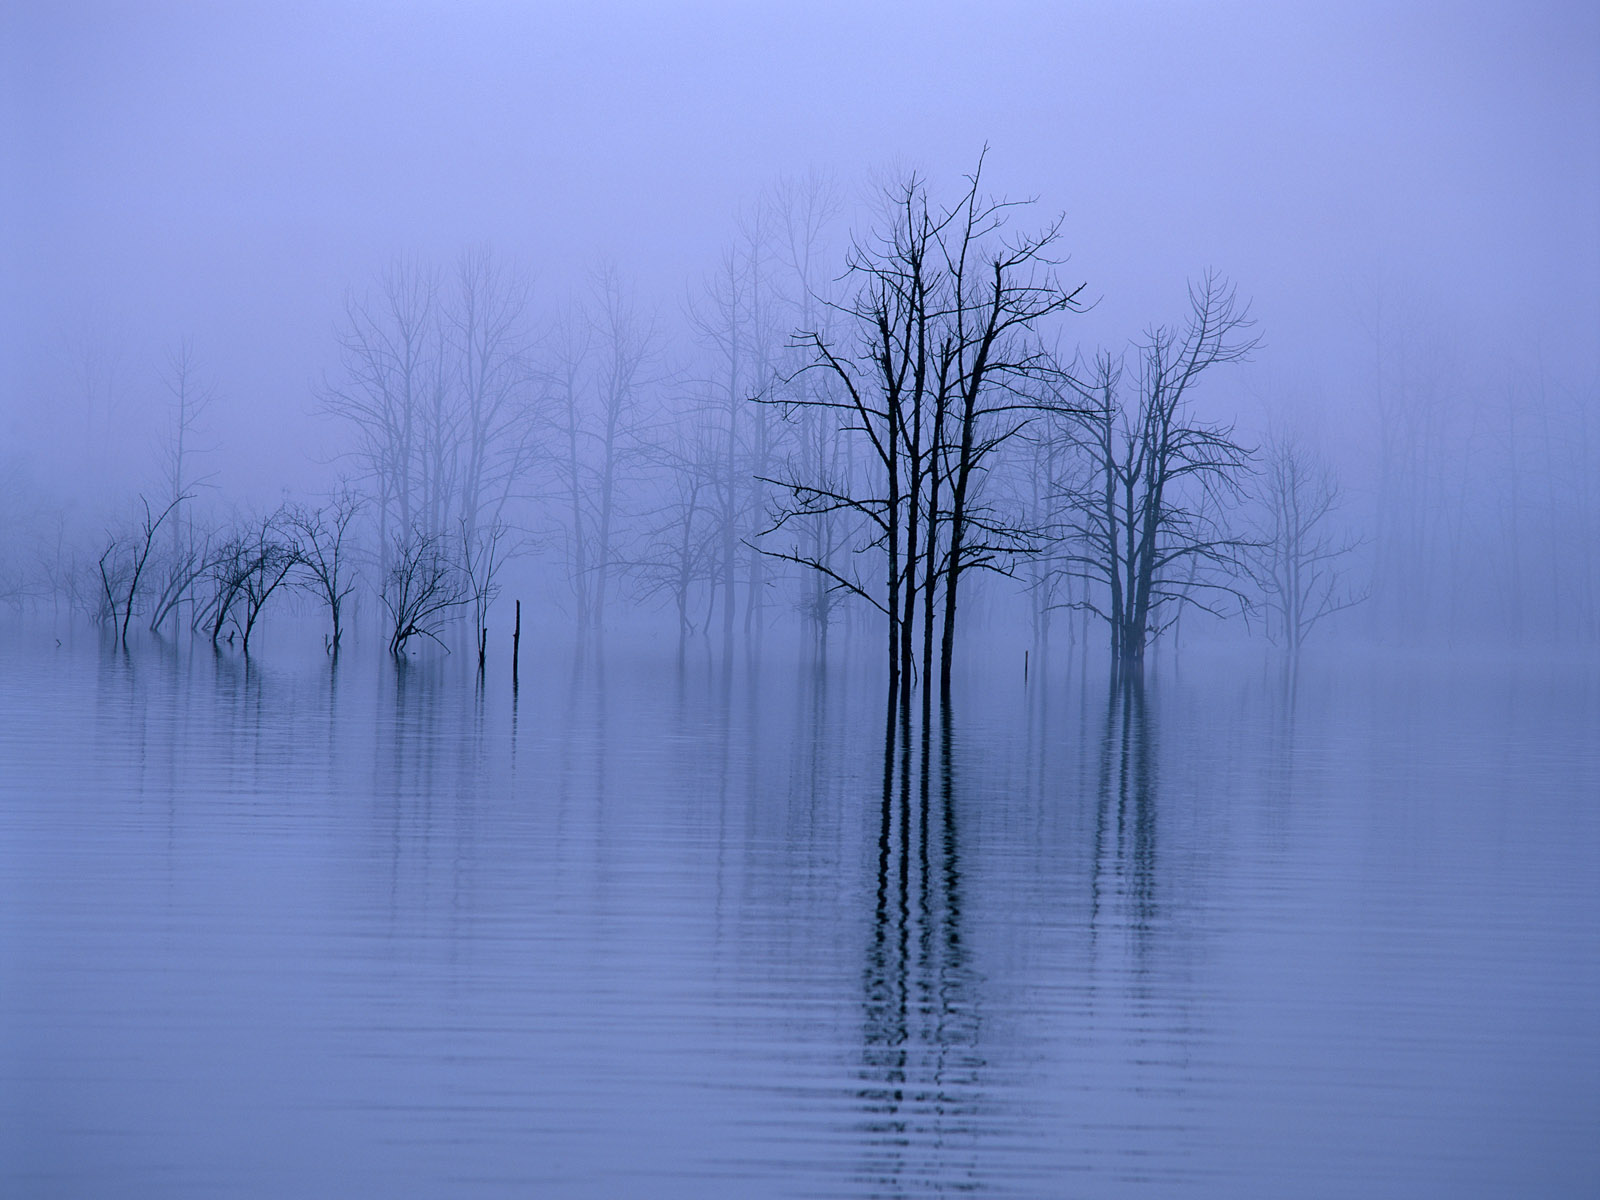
[[600, 372], [489, 342], [421, 588], [269, 557], [184, 565], [679, 550], [229, 563], [482, 555], [934, 371], [625, 342], [324, 540], [122, 565], [192, 396], [1145, 527], [565, 372], [392, 379], [1298, 556], [813, 442], [731, 317]]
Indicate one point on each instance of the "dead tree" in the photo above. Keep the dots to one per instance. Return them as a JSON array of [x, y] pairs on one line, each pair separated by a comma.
[[626, 338], [803, 211], [486, 335], [389, 391], [123, 562], [229, 565], [732, 321], [422, 587], [184, 566], [482, 555], [323, 539], [1298, 555], [1144, 528], [565, 373], [600, 373], [679, 548], [270, 556], [934, 370]]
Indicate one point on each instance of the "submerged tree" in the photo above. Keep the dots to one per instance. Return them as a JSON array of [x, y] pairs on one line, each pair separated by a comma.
[[1146, 526], [935, 368], [182, 567], [1297, 558], [324, 538], [269, 555], [482, 555], [421, 588], [122, 566]]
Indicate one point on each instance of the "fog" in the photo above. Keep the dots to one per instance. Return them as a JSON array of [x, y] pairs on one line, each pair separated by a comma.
[[1405, 199], [482, 463]]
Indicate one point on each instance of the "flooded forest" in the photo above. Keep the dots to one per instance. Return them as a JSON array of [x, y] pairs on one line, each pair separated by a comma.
[[710, 602]]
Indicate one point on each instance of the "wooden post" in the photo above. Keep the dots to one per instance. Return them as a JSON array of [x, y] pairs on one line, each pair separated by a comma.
[[516, 646]]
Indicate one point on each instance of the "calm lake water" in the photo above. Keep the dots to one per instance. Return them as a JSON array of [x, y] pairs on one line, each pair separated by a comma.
[[300, 932]]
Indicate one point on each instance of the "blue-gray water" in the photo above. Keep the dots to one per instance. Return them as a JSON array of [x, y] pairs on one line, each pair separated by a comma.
[[300, 933]]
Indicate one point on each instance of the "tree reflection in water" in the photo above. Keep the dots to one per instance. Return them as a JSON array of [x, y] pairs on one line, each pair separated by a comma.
[[921, 1066], [1125, 818]]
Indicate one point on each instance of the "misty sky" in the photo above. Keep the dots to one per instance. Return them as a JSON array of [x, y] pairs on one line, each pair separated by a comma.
[[226, 171]]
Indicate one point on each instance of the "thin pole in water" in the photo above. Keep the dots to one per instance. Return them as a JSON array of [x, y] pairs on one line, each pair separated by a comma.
[[1024, 666], [516, 646]]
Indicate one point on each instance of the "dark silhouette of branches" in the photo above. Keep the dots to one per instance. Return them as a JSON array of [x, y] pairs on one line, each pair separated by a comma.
[[122, 565], [1146, 525], [421, 588], [323, 538]]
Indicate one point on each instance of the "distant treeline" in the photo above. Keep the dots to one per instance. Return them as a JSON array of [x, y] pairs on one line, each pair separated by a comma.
[[860, 426]]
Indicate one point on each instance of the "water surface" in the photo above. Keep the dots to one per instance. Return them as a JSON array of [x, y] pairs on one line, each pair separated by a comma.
[[287, 930]]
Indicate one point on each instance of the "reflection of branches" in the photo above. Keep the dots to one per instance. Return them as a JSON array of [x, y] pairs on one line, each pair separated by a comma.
[[920, 1037], [1125, 818]]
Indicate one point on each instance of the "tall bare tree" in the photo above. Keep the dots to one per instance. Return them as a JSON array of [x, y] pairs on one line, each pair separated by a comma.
[[730, 317], [483, 551], [1298, 556], [489, 341], [391, 375], [679, 550], [935, 368], [1145, 527]]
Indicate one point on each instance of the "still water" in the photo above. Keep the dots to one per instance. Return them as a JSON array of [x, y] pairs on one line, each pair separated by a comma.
[[653, 930]]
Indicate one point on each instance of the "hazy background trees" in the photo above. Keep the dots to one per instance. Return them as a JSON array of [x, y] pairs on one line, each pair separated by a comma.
[[1299, 555], [387, 242], [862, 416], [838, 423], [1148, 525]]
